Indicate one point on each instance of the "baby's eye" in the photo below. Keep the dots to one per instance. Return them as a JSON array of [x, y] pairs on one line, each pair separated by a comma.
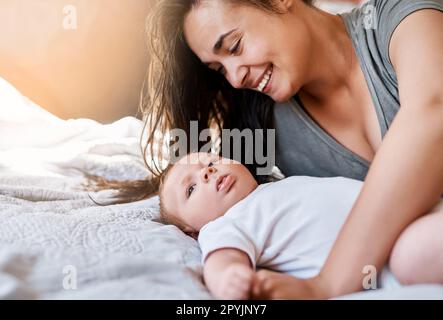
[[190, 190]]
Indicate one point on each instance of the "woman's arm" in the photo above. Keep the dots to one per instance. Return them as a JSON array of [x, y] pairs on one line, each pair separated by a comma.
[[406, 177], [228, 274]]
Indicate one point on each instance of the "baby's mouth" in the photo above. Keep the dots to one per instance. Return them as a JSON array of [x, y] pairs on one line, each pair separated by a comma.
[[225, 182]]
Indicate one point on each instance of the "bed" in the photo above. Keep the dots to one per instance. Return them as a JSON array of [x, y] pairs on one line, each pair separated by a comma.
[[56, 243]]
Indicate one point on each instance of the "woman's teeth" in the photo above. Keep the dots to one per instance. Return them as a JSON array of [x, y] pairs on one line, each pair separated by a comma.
[[265, 80]]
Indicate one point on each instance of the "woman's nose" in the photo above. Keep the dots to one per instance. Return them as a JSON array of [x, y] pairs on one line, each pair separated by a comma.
[[207, 173], [236, 75]]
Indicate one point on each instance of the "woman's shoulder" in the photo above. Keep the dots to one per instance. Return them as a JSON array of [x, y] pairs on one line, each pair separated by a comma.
[[390, 13], [380, 18], [373, 24]]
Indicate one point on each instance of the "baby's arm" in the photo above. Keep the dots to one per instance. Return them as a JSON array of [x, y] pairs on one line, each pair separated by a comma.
[[228, 274]]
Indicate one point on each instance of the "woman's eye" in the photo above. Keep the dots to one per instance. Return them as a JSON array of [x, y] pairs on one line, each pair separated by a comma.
[[190, 191], [234, 49]]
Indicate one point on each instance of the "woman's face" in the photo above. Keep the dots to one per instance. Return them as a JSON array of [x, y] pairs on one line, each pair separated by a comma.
[[252, 48]]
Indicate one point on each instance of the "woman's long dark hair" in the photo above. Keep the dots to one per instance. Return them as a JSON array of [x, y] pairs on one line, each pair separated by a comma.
[[179, 89]]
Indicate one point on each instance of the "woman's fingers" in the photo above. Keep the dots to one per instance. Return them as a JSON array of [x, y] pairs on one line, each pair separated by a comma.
[[262, 285], [274, 285]]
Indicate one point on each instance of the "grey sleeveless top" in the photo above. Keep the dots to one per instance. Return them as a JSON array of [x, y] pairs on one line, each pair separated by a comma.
[[302, 146]]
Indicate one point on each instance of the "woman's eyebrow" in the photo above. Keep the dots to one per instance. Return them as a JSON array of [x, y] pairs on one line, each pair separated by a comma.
[[219, 44]]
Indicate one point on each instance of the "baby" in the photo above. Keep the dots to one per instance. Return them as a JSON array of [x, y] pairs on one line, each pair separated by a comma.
[[286, 226]]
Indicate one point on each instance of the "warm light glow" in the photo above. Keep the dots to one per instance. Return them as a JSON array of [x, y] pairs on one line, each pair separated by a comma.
[[94, 71]]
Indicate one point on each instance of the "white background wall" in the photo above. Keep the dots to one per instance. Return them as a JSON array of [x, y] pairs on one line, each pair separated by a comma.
[[95, 71]]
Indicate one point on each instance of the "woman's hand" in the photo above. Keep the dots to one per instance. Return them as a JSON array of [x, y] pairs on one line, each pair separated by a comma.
[[269, 285]]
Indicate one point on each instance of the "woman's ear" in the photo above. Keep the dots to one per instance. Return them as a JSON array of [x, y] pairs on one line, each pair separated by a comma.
[[286, 4]]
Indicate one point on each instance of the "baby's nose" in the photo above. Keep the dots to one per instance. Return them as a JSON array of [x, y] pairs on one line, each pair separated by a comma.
[[207, 172]]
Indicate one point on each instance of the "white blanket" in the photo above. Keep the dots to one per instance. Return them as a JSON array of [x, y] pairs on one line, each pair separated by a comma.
[[55, 243], [50, 226]]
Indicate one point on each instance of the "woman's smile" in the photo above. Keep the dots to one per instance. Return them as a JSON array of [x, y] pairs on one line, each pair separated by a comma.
[[265, 80]]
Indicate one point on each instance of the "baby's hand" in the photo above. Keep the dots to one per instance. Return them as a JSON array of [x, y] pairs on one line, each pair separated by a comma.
[[235, 283]]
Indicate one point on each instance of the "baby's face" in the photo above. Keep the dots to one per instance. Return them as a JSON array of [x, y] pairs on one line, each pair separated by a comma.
[[201, 187]]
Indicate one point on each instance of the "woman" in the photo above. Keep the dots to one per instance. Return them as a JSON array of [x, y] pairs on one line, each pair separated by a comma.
[[358, 95]]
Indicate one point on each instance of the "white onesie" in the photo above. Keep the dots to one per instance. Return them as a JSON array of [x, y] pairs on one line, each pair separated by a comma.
[[287, 226]]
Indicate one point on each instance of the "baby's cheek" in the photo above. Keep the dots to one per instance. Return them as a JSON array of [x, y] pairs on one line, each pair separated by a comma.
[[214, 210], [203, 213]]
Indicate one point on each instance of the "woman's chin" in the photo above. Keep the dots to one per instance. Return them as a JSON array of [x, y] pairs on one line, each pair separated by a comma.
[[279, 98], [283, 94]]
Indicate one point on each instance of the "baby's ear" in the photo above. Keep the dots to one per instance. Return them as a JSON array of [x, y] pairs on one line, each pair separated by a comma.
[[192, 233]]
